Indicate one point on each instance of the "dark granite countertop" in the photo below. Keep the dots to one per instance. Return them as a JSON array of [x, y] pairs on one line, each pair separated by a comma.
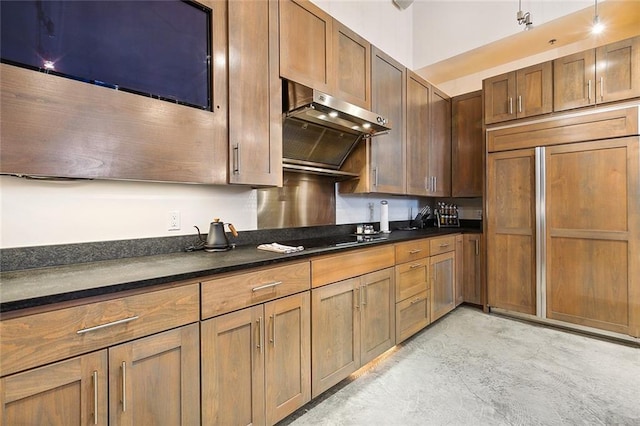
[[41, 286]]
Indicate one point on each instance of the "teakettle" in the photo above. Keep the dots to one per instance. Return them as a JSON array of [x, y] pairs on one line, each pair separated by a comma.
[[217, 239]]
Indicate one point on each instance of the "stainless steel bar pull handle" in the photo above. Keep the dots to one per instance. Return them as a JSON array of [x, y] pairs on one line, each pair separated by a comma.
[[416, 300], [124, 386], [95, 397], [260, 334], [477, 247], [415, 265], [415, 251], [510, 105], [375, 176], [262, 287], [273, 329], [443, 245], [519, 103], [109, 324], [602, 88], [589, 90], [236, 159], [356, 298]]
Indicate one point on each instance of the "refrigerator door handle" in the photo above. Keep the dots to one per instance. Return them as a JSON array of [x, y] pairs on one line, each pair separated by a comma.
[[541, 234]]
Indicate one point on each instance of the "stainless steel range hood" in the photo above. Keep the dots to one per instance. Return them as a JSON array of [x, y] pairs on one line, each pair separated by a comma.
[[320, 131]]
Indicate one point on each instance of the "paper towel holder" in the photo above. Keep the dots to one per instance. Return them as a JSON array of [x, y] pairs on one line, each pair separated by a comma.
[[384, 217]]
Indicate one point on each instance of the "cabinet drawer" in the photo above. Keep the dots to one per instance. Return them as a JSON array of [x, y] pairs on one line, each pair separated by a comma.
[[333, 268], [244, 289], [51, 336], [412, 250], [412, 278], [442, 245], [412, 315]]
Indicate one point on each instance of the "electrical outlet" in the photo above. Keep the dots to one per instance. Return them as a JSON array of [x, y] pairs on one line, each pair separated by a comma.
[[173, 220]]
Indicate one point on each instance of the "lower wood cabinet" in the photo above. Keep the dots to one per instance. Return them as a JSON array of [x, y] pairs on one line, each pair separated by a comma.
[[155, 380], [354, 323], [152, 380], [255, 363], [442, 271], [472, 272], [71, 392]]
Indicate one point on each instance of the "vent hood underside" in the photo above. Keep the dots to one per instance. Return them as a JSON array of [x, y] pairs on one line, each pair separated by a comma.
[[319, 131]]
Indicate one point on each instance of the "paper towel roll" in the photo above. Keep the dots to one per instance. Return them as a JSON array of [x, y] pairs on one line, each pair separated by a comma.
[[384, 216]]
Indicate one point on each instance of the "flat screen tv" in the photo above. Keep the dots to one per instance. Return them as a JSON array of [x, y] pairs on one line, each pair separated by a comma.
[[159, 49]]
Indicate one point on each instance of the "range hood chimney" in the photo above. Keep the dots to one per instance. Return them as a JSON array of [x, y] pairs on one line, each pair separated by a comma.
[[319, 131]]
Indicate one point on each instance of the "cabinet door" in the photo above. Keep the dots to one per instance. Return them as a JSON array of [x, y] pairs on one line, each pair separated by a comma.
[[353, 61], [418, 135], [306, 48], [592, 234], [467, 145], [534, 90], [255, 110], [440, 144], [412, 315], [66, 393], [618, 70], [574, 81], [498, 98], [388, 99], [232, 359], [511, 241], [335, 334], [443, 279], [156, 380], [472, 279], [287, 356], [377, 325]]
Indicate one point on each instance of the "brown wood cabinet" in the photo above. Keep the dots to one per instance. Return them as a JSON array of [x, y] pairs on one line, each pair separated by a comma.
[[358, 324], [592, 210], [156, 379], [608, 73], [442, 274], [413, 303], [54, 126], [150, 380], [72, 392], [419, 179], [511, 238], [306, 48], [381, 161], [467, 145], [473, 269], [523, 93], [320, 52], [440, 144], [255, 362], [255, 110]]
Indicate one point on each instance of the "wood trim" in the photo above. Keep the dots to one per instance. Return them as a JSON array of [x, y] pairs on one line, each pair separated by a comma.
[[597, 124]]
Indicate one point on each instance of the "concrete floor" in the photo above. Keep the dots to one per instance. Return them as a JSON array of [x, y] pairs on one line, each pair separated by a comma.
[[470, 368]]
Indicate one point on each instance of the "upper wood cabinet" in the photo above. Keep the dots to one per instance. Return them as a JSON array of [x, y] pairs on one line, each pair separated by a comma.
[[467, 145], [518, 94], [319, 52], [255, 110], [608, 73], [55, 126], [428, 139], [381, 160], [440, 144], [418, 135], [352, 61]]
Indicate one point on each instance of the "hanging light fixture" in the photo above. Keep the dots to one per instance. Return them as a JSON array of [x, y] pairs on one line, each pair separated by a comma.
[[524, 17], [598, 26]]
